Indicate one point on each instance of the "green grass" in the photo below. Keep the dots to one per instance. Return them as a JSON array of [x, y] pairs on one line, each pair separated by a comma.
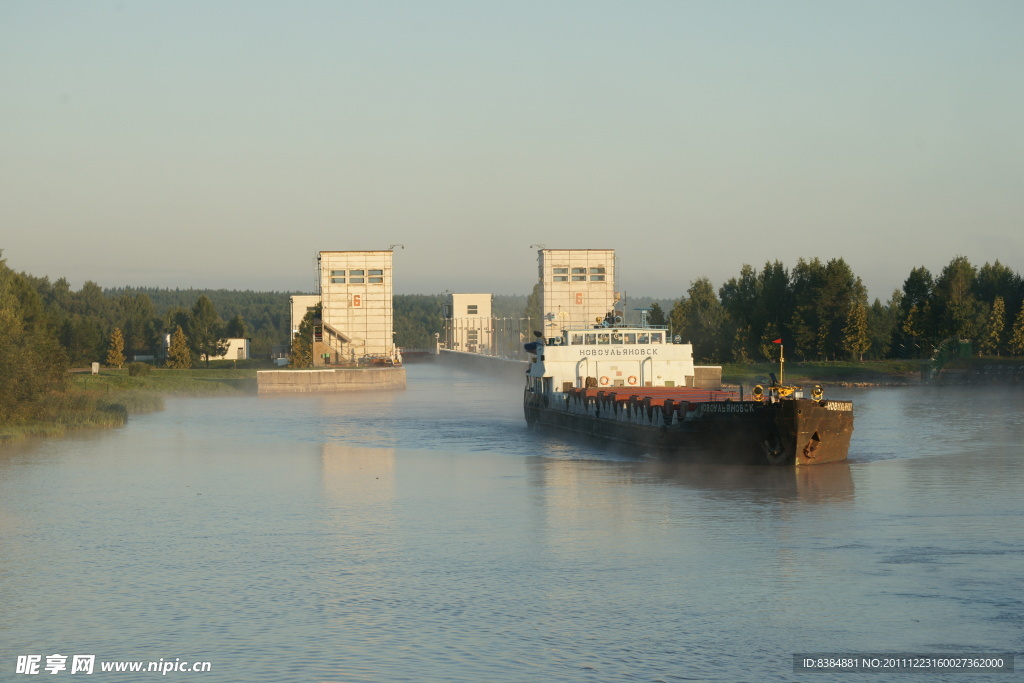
[[828, 372], [195, 382], [107, 399]]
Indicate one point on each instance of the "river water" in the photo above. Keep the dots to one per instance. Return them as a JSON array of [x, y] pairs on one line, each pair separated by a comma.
[[426, 535]]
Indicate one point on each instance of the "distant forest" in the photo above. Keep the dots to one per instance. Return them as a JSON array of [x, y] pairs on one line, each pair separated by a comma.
[[819, 310]]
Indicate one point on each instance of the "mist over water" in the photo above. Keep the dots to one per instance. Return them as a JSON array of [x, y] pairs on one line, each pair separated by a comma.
[[427, 535]]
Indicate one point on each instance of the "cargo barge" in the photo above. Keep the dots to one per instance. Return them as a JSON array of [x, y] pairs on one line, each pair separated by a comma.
[[633, 387]]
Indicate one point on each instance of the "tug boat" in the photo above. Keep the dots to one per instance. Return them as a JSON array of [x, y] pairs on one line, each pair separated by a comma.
[[633, 387]]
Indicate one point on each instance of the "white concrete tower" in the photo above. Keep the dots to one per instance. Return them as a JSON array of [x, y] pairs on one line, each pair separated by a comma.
[[578, 287], [355, 290]]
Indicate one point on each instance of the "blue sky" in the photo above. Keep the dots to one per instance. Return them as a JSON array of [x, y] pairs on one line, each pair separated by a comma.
[[222, 144]]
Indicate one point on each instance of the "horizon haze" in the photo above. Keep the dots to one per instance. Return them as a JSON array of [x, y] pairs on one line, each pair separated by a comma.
[[223, 144]]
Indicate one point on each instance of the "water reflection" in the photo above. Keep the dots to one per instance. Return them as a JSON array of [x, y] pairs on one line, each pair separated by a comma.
[[815, 484], [427, 535]]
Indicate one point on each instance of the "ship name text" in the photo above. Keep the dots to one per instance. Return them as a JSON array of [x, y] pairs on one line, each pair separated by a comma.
[[728, 408], [619, 352], [842, 406]]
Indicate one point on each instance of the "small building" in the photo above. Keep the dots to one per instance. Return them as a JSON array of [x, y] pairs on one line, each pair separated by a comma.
[[469, 325], [299, 305], [237, 349]]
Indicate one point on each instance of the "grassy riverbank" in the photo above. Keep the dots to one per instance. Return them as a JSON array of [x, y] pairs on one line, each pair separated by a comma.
[[834, 373], [107, 399]]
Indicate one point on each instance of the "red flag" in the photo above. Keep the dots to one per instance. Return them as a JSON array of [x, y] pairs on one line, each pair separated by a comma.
[[777, 341]]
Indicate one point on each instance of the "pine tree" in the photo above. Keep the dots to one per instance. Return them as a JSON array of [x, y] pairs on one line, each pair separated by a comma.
[[301, 355], [911, 329], [33, 363], [205, 331], [179, 356], [237, 329], [992, 337], [741, 341], [856, 340], [1016, 343], [656, 316], [115, 354], [768, 348], [702, 318], [532, 313]]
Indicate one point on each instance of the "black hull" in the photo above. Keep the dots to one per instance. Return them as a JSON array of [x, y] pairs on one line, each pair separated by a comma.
[[787, 432]]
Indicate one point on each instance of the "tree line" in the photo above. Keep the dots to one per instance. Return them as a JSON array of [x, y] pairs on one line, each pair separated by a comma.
[[820, 311], [85, 322], [33, 365]]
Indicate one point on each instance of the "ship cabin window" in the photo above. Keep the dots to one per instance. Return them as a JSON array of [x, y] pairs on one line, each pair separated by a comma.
[[579, 271], [603, 338], [616, 337], [357, 280], [471, 310], [656, 338], [561, 271], [376, 272], [561, 278], [590, 339], [356, 276], [376, 280], [597, 278], [597, 271], [579, 278], [337, 280], [643, 338], [376, 277], [337, 273], [631, 338], [577, 339], [357, 272]]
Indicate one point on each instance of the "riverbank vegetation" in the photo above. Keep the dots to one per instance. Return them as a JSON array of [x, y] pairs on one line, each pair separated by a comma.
[[820, 311], [832, 373], [47, 329], [108, 398], [817, 311]]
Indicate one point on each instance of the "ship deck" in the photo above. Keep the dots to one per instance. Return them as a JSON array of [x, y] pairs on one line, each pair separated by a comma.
[[654, 396]]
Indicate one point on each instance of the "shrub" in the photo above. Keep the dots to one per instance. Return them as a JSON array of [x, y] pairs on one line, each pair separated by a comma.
[[139, 369]]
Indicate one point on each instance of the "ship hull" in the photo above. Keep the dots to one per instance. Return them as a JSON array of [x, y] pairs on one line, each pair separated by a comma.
[[792, 432]]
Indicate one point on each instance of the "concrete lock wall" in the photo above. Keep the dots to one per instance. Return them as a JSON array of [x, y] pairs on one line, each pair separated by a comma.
[[348, 379], [492, 365]]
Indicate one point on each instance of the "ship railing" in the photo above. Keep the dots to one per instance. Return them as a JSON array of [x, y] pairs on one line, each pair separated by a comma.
[[655, 406], [623, 326]]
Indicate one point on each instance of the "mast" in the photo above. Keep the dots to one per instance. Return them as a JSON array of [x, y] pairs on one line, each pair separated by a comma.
[[782, 376]]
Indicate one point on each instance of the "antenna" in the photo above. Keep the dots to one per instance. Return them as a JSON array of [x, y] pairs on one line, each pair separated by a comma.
[[392, 247]]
